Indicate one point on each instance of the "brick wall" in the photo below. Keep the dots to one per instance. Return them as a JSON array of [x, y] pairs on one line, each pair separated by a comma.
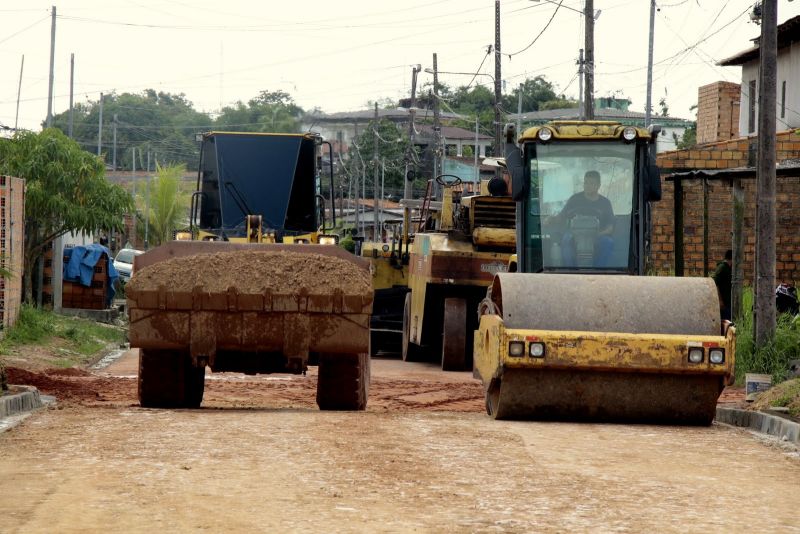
[[723, 155], [12, 240], [718, 112]]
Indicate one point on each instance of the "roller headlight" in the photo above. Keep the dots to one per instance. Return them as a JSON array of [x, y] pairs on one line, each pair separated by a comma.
[[536, 350], [629, 133], [716, 355], [327, 239], [695, 355], [516, 348], [545, 134]]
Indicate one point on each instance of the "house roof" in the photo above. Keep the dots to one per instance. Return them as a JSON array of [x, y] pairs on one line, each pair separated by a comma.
[[788, 33], [789, 167], [453, 133], [397, 114], [574, 113]]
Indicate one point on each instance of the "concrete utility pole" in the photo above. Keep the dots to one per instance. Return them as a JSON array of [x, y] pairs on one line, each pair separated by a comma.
[[52, 66], [376, 167], [498, 130], [477, 180], [408, 185], [588, 97], [437, 128], [648, 107], [133, 179], [519, 111], [19, 91], [581, 110], [114, 151], [71, 92], [100, 126], [764, 323]]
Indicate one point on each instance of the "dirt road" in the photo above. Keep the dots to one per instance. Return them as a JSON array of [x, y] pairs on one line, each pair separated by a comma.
[[423, 458]]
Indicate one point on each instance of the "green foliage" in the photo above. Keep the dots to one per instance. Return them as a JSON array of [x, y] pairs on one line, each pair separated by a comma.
[[168, 205], [535, 91], [392, 144], [32, 326], [270, 111], [559, 103], [772, 358], [688, 139]]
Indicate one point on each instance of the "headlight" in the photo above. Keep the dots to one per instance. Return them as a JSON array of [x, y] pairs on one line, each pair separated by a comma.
[[716, 355], [545, 134], [516, 348], [327, 240], [629, 133], [183, 236], [537, 350], [696, 355]]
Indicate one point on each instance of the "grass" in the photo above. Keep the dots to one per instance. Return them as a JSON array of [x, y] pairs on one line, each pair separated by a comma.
[[79, 339], [772, 358]]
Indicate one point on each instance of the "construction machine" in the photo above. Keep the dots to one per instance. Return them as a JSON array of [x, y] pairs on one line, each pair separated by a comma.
[[450, 268], [575, 333], [256, 285]]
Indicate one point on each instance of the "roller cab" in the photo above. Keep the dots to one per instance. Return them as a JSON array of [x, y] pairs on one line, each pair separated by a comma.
[[577, 333]]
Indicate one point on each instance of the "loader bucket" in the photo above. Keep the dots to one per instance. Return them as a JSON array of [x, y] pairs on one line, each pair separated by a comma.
[[252, 308], [603, 348]]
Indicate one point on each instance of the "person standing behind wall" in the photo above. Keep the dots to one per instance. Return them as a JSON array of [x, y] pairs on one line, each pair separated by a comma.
[[722, 278]]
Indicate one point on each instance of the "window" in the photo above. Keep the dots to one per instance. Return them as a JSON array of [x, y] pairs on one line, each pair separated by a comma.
[[783, 99], [751, 112]]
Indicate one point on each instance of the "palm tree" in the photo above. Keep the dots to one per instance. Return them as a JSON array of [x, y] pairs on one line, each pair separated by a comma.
[[166, 206]]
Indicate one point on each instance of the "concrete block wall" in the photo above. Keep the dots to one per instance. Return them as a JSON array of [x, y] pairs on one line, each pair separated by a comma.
[[12, 241], [721, 155]]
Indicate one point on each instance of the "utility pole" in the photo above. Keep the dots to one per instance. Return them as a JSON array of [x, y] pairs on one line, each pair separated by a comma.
[[71, 89], [408, 185], [477, 179], [52, 66], [581, 110], [114, 151], [648, 107], [19, 91], [764, 321], [588, 97], [133, 179], [376, 167], [100, 126], [437, 127], [498, 132], [519, 111]]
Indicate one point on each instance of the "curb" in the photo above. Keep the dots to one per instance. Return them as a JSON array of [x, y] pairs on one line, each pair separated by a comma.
[[762, 422], [25, 401]]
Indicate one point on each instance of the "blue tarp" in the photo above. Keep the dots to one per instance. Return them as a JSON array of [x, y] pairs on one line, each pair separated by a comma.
[[79, 266]]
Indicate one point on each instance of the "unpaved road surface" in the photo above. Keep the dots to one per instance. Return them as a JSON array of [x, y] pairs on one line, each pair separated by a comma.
[[258, 457]]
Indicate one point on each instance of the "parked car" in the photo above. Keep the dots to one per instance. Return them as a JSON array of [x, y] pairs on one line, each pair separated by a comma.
[[123, 263]]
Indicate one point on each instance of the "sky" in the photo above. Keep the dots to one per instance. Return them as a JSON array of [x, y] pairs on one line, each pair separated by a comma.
[[341, 55]]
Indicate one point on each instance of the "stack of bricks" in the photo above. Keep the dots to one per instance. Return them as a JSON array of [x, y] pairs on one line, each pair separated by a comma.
[[93, 297], [12, 242], [718, 112], [722, 155]]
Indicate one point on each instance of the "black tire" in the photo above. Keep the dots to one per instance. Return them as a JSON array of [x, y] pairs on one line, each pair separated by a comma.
[[168, 379], [454, 335], [343, 381], [411, 352]]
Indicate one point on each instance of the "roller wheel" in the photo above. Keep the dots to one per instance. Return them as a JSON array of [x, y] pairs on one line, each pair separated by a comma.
[[343, 381], [454, 335], [168, 379], [411, 352], [492, 398]]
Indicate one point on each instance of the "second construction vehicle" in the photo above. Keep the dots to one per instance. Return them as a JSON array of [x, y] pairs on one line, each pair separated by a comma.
[[255, 286], [450, 269], [574, 334]]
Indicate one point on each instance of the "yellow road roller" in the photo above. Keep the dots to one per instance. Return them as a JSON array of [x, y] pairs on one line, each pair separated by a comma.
[[575, 333]]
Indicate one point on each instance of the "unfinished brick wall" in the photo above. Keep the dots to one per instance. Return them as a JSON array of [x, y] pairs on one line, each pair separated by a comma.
[[718, 112], [722, 155], [12, 240]]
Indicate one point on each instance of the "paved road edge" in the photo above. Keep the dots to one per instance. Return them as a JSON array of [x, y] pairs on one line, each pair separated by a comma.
[[765, 423], [14, 408]]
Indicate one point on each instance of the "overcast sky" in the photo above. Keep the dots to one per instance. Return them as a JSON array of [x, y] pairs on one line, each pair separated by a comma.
[[339, 55]]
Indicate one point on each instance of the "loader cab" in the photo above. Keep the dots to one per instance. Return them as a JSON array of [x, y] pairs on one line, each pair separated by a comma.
[[583, 190], [243, 174]]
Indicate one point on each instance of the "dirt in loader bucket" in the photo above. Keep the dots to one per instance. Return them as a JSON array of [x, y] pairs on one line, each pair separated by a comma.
[[248, 309]]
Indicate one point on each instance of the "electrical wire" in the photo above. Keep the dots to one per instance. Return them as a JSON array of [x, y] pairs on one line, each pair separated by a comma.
[[540, 33]]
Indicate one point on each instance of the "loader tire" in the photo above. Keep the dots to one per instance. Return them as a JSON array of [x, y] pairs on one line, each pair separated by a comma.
[[168, 379], [411, 352], [454, 335], [343, 381]]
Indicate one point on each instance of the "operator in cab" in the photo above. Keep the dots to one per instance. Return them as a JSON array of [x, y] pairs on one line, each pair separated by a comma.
[[588, 203]]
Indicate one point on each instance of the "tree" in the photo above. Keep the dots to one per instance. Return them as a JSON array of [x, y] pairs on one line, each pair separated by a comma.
[[270, 111], [167, 205], [535, 91], [66, 191]]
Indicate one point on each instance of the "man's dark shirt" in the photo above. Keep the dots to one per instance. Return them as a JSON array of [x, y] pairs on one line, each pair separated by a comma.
[[722, 277], [579, 204]]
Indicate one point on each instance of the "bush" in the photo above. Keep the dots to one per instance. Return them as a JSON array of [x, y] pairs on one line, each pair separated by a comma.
[[772, 358]]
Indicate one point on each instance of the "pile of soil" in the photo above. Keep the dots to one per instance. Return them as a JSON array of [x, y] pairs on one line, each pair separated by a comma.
[[251, 272], [784, 394], [75, 386]]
